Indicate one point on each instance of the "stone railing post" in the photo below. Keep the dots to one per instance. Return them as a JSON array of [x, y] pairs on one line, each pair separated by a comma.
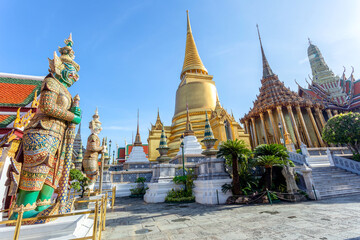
[[330, 157], [305, 152], [310, 188]]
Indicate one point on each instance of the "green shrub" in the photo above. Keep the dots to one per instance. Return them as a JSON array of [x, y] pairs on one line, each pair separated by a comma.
[[79, 182], [140, 190], [180, 195]]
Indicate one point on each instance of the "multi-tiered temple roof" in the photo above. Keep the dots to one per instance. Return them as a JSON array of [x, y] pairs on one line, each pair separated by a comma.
[[273, 92], [334, 92]]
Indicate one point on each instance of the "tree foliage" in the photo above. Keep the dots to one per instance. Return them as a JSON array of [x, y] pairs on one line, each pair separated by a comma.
[[234, 150], [79, 182], [269, 155], [344, 129]]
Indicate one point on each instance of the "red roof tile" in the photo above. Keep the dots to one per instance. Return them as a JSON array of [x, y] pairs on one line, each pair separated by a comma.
[[15, 93]]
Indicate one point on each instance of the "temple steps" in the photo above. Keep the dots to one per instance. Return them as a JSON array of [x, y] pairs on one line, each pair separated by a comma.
[[335, 182], [318, 161]]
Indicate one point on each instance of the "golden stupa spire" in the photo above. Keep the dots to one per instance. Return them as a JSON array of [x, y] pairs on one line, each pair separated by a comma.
[[188, 129], [137, 137], [192, 60]]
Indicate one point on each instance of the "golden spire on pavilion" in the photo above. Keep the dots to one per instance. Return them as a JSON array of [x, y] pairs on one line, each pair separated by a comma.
[[137, 137], [192, 60]]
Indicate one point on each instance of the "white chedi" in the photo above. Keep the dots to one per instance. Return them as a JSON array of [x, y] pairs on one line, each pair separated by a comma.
[[191, 145], [137, 155]]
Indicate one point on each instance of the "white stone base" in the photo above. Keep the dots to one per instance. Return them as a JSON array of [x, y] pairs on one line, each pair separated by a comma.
[[62, 228], [158, 191], [191, 146], [205, 191], [123, 189]]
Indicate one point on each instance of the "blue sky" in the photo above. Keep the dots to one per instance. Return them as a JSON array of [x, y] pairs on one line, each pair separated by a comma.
[[131, 52]]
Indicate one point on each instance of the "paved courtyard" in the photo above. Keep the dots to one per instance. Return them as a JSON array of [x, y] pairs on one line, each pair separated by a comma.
[[337, 218]]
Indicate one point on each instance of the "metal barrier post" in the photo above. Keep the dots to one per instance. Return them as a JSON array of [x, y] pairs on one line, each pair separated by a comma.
[[105, 206], [101, 216], [95, 220], [18, 223], [113, 197]]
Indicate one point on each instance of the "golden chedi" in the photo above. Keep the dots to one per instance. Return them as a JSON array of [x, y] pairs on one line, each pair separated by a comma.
[[196, 90]]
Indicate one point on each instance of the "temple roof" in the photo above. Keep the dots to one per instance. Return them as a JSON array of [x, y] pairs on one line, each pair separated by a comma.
[[266, 67], [273, 93], [192, 60], [17, 91]]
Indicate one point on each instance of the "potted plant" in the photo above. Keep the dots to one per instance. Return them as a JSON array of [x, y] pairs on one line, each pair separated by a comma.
[[79, 183]]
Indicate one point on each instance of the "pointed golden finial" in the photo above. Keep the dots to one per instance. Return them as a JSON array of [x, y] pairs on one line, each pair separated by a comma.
[[137, 137], [188, 21], [69, 42], [266, 67], [192, 60], [35, 102], [218, 105]]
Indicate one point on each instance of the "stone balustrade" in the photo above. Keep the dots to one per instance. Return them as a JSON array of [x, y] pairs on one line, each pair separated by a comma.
[[297, 158], [130, 176], [346, 164]]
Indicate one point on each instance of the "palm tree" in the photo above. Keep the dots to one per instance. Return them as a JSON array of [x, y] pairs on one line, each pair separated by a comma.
[[268, 161], [234, 150], [269, 155]]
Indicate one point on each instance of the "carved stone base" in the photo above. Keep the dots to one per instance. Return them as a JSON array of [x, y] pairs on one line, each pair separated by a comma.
[[158, 191], [209, 191]]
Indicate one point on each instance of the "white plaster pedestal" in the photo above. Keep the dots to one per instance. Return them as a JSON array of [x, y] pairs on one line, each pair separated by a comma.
[[158, 191], [209, 191], [161, 183]]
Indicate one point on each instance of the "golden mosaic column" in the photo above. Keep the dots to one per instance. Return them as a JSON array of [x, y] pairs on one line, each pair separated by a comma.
[[308, 109], [321, 116], [246, 123], [254, 131], [286, 133], [328, 111], [273, 125], [296, 130], [247, 127], [299, 113], [264, 129]]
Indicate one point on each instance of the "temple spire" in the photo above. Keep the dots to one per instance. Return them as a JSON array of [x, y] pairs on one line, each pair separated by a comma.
[[158, 116], [188, 129], [266, 67], [208, 134], [137, 137], [192, 60]]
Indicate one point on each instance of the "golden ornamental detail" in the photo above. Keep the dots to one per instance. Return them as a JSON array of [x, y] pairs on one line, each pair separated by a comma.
[[21, 122]]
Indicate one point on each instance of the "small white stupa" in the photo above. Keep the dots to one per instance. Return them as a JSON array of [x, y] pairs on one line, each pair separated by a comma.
[[137, 154], [191, 144]]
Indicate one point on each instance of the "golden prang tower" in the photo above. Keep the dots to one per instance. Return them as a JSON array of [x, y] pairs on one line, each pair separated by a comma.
[[196, 90]]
